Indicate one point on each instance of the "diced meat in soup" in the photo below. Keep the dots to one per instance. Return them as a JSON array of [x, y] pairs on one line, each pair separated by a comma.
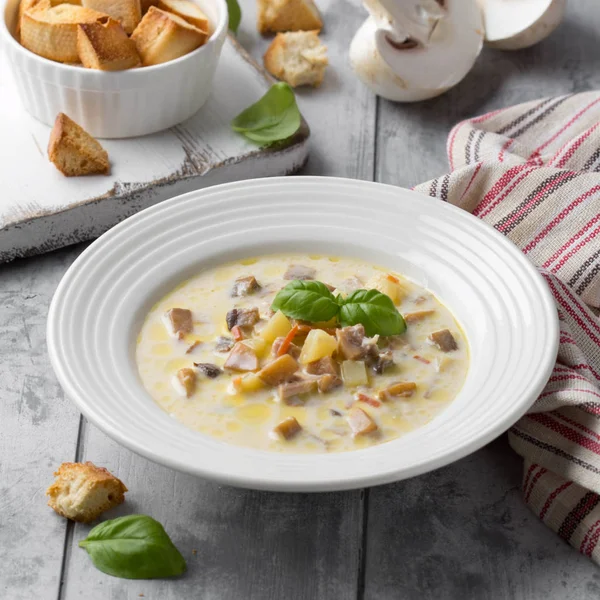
[[444, 340], [279, 370], [241, 358], [179, 321], [326, 383], [300, 272], [242, 317], [224, 344], [296, 388], [241, 366], [186, 379], [360, 422], [243, 286], [350, 342], [323, 366]]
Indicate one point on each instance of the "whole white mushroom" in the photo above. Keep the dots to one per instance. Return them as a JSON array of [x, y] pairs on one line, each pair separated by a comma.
[[411, 50]]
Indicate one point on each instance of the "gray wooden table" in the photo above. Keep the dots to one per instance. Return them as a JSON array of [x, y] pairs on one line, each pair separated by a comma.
[[461, 532]]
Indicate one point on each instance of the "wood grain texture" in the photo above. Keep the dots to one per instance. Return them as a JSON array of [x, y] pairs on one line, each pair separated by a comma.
[[38, 430], [460, 532], [464, 532], [48, 211], [253, 544]]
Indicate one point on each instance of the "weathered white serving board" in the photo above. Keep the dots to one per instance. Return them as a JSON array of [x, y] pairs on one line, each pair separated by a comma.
[[41, 210]]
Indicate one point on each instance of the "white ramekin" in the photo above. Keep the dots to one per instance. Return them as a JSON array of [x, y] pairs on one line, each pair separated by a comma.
[[115, 104]]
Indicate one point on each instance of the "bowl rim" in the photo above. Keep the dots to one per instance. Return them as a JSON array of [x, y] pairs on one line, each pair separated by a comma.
[[131, 74], [258, 481]]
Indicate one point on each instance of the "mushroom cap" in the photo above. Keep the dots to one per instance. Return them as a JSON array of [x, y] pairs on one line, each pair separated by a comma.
[[375, 73], [515, 24], [417, 49]]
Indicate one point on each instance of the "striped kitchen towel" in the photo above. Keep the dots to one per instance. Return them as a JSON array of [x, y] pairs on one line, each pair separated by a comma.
[[533, 172]]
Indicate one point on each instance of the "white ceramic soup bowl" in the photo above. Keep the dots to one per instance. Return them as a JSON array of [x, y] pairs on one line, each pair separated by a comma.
[[116, 104], [498, 297]]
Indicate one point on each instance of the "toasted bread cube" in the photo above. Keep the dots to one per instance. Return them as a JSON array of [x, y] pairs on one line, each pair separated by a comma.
[[288, 428], [104, 45], [25, 5], [52, 32], [146, 4], [74, 151], [188, 11], [127, 12], [360, 422], [279, 370], [83, 491], [298, 58], [162, 36], [288, 15]]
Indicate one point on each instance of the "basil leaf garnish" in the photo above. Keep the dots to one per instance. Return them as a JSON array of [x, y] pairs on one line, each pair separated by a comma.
[[273, 118], [374, 310], [133, 547], [306, 300], [235, 15]]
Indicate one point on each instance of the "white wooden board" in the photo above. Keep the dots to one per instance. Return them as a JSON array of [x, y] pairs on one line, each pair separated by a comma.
[[41, 210]]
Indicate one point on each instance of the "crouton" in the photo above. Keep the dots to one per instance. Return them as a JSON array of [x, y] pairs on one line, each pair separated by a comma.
[[298, 58], [127, 12], [162, 36], [52, 32], [74, 151], [83, 491], [146, 4], [104, 45], [288, 15], [189, 11]]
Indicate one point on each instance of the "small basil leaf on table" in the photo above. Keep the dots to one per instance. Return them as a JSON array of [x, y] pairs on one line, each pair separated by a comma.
[[133, 547], [235, 15], [306, 300], [374, 310], [273, 118]]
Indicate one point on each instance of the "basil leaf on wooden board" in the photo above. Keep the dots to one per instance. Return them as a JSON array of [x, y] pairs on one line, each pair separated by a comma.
[[306, 300], [235, 15], [374, 310], [273, 118], [133, 547]]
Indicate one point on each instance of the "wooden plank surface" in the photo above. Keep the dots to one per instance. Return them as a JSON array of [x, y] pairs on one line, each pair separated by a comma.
[[461, 532], [253, 544], [38, 431]]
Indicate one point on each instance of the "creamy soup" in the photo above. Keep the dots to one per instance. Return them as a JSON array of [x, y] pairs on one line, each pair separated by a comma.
[[214, 355]]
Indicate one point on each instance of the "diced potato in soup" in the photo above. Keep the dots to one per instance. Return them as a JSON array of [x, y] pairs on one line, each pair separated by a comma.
[[258, 378]]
